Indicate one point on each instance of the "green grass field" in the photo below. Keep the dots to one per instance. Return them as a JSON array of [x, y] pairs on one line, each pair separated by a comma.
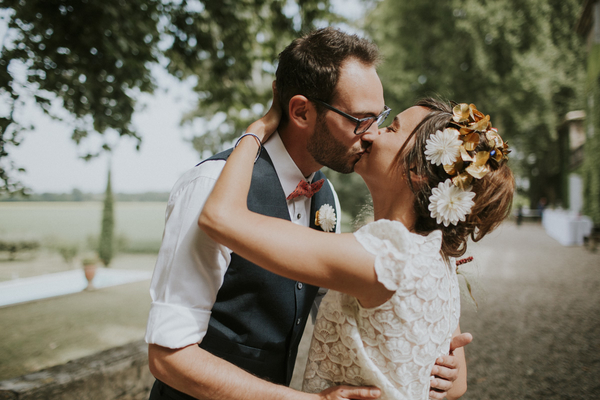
[[74, 222], [52, 331]]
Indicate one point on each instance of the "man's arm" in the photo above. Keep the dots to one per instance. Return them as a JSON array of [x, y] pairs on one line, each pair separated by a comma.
[[200, 374]]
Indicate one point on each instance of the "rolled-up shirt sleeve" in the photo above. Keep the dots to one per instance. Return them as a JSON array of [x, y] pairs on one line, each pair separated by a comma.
[[190, 267]]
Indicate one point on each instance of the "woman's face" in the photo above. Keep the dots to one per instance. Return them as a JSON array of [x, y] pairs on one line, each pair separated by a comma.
[[378, 163]]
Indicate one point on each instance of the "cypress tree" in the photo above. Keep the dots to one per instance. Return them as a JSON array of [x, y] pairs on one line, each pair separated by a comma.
[[106, 245]]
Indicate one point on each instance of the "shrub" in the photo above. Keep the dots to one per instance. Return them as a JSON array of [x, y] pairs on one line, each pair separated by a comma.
[[68, 251], [14, 247]]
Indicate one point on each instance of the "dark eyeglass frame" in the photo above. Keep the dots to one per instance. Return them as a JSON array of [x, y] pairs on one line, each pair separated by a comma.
[[379, 118]]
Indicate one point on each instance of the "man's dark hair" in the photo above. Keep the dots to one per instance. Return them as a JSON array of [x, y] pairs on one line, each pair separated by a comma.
[[310, 65]]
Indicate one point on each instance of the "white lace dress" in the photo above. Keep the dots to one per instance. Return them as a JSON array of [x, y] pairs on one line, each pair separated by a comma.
[[393, 346]]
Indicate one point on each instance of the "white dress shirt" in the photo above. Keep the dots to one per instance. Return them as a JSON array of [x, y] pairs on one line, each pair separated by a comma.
[[191, 267]]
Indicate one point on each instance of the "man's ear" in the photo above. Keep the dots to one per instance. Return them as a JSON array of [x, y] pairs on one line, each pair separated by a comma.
[[302, 112]]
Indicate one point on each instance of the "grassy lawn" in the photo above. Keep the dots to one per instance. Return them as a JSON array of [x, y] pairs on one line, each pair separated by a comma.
[[74, 222], [53, 331]]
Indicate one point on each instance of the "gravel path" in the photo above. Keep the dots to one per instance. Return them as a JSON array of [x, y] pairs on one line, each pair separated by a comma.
[[537, 329]]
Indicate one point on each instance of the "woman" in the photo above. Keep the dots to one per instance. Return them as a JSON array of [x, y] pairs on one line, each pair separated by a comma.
[[437, 175]]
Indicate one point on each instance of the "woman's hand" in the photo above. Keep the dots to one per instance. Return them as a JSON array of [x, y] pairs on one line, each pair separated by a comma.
[[449, 372], [267, 125]]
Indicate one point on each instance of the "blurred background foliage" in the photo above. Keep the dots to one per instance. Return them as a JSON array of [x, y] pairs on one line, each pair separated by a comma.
[[519, 61], [95, 57]]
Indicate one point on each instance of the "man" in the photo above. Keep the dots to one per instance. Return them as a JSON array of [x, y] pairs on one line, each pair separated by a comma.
[[220, 327]]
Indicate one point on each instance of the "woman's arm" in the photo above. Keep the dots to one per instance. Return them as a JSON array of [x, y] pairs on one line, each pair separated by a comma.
[[337, 262]]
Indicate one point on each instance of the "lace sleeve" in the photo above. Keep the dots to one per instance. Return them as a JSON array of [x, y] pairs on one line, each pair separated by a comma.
[[390, 242]]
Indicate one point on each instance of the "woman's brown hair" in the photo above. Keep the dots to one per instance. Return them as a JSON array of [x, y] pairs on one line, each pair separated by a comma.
[[493, 193]]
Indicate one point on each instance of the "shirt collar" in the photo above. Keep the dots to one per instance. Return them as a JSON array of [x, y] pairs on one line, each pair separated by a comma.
[[288, 172]]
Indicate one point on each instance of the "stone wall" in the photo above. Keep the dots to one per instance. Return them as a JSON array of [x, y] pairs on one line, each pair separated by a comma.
[[120, 373]]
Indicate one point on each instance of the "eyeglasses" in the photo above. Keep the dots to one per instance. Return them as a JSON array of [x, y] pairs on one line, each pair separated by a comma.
[[362, 124]]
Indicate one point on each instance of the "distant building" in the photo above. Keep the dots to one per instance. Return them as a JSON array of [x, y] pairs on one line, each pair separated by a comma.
[[572, 138]]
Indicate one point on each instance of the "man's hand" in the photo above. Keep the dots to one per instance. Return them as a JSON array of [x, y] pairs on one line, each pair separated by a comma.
[[350, 393], [446, 368]]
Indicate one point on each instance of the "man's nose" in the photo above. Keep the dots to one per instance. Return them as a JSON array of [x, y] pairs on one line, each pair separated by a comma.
[[370, 134]]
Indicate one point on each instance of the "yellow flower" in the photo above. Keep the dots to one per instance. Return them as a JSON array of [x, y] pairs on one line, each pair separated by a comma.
[[460, 113]]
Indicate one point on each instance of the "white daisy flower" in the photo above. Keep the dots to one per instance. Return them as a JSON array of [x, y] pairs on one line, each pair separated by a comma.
[[443, 147], [449, 204], [325, 218]]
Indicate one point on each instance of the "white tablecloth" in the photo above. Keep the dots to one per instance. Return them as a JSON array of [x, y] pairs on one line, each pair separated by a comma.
[[567, 227]]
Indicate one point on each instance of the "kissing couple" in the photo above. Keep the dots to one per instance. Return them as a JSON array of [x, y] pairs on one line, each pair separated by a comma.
[[250, 236]]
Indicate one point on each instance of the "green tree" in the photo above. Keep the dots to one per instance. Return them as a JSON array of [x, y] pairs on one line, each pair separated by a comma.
[[86, 57], [590, 169], [106, 244], [230, 48], [519, 61], [91, 59]]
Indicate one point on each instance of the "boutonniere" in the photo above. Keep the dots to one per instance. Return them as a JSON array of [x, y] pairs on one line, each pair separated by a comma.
[[325, 218]]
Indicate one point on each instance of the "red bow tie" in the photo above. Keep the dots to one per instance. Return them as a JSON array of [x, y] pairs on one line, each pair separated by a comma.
[[306, 189]]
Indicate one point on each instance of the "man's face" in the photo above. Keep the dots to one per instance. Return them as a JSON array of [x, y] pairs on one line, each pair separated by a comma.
[[359, 93]]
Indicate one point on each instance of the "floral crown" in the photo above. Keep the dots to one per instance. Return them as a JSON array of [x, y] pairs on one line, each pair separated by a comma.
[[454, 148]]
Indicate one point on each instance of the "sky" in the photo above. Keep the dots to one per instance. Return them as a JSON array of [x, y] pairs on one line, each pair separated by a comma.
[[52, 162]]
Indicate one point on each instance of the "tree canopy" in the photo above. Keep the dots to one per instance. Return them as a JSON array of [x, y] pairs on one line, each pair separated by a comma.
[[94, 58], [519, 61]]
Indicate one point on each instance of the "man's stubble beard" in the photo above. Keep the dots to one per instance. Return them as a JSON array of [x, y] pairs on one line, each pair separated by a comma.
[[329, 151]]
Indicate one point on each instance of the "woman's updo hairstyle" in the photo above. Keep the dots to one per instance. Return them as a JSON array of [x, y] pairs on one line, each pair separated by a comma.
[[493, 193]]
